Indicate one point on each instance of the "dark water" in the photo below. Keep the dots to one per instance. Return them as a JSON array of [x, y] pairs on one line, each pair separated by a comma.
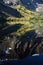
[[9, 11], [32, 60], [31, 4]]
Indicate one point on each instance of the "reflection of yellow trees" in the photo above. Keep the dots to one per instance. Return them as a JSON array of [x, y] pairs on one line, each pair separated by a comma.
[[30, 20], [24, 29], [25, 21], [25, 12], [18, 22], [18, 19], [22, 10]]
